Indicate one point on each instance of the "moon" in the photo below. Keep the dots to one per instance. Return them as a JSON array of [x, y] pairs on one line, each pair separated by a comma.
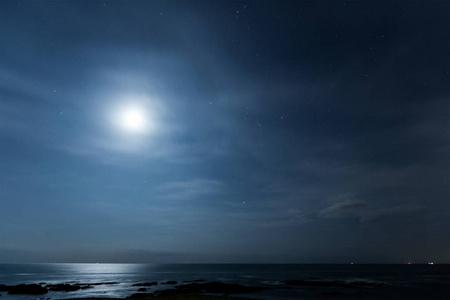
[[133, 120]]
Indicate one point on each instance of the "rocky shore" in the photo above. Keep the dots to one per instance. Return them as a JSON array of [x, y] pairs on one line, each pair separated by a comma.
[[181, 290]]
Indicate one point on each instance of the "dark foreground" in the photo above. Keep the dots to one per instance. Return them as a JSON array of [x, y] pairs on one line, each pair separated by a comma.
[[185, 289], [266, 282], [180, 297], [194, 289]]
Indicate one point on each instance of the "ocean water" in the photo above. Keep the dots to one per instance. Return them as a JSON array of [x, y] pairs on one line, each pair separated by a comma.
[[395, 281]]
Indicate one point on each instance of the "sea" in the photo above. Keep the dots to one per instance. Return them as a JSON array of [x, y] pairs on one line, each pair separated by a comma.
[[371, 281]]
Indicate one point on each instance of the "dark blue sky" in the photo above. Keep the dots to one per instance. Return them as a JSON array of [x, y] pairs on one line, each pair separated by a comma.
[[273, 132]]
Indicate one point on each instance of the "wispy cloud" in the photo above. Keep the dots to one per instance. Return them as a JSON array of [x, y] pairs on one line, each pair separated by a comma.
[[343, 209], [189, 189], [364, 212], [287, 218]]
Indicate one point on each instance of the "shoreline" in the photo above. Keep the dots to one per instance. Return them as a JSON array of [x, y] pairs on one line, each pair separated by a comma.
[[192, 289], [178, 297]]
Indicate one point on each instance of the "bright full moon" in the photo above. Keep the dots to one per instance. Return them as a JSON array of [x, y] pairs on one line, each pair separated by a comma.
[[133, 120]]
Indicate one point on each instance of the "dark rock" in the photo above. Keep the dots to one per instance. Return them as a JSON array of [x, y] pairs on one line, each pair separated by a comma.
[[27, 289], [169, 282], [84, 287], [142, 290], [42, 283], [63, 287], [145, 284], [3, 288], [316, 283], [332, 293], [365, 283], [140, 295], [87, 285]]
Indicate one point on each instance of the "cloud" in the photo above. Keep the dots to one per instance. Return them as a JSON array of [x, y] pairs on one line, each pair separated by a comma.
[[288, 218], [17, 83], [343, 209], [390, 211], [188, 189], [362, 211]]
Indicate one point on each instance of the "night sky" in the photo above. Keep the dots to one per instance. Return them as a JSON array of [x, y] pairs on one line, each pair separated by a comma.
[[206, 131]]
